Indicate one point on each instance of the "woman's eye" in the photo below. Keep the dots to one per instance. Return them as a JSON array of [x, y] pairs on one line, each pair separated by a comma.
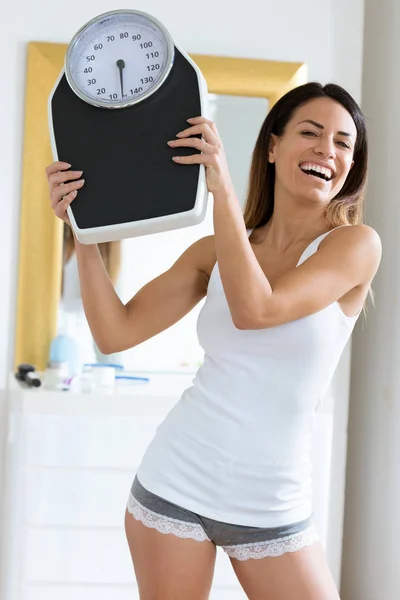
[[313, 134]]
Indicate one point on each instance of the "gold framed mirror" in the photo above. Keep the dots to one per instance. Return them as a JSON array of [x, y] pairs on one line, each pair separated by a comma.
[[41, 233]]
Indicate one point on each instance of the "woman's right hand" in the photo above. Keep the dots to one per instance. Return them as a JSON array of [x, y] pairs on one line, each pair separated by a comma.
[[63, 187]]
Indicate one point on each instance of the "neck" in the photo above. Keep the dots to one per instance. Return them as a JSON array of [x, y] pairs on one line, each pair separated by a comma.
[[293, 222]]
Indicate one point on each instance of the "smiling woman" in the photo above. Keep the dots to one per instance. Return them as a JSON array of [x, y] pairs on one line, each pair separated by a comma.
[[318, 168], [231, 465], [321, 152], [320, 126], [283, 292]]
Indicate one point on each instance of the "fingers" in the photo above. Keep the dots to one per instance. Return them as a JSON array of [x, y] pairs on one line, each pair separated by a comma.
[[57, 174], [205, 128], [62, 206], [193, 159], [62, 176], [201, 145], [208, 145], [198, 120], [56, 166], [62, 190]]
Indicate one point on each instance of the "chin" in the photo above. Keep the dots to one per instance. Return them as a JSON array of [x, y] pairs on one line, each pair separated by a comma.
[[315, 195]]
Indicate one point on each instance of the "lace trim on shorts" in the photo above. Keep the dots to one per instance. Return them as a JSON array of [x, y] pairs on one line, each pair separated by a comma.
[[273, 548], [163, 524]]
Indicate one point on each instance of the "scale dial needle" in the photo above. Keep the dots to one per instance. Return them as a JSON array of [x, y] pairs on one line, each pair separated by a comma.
[[121, 67]]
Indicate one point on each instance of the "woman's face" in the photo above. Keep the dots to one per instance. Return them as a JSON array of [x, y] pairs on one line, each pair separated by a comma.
[[315, 153]]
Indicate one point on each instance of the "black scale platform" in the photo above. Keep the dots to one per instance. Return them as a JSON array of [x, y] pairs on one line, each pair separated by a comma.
[[127, 165]]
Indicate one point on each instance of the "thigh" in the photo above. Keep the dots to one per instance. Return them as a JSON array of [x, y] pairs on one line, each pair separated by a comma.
[[303, 575], [168, 567]]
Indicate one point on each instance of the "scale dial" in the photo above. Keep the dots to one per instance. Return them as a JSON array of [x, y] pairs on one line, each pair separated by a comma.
[[119, 58]]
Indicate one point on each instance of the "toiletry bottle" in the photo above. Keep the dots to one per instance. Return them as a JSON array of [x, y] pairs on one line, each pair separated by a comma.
[[64, 347]]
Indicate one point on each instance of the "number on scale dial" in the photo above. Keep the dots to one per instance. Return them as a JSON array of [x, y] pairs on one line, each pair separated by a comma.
[[119, 58]]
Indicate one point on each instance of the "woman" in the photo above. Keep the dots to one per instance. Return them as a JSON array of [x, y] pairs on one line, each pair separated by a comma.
[[230, 465]]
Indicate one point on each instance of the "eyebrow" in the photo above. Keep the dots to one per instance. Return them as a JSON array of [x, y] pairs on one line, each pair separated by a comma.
[[322, 127]]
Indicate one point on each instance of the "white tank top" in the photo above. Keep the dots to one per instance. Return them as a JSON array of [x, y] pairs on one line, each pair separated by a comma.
[[237, 446]]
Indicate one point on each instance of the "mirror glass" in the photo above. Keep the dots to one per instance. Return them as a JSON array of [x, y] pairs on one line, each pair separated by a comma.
[[134, 262]]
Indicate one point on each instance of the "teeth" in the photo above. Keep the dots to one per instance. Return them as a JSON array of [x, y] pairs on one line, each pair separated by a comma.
[[312, 167]]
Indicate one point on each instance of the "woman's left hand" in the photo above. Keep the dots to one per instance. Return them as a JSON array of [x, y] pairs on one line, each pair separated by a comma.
[[213, 155]]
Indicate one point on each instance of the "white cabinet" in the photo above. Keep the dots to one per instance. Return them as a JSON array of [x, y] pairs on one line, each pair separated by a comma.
[[71, 461]]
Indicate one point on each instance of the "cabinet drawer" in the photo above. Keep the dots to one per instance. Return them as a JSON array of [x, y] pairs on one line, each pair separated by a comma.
[[67, 556], [87, 441], [70, 497]]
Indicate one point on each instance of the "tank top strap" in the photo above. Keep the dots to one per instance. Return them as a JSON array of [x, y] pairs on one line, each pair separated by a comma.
[[313, 247]]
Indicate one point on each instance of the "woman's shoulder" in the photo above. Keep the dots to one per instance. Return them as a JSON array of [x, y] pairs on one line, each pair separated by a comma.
[[361, 241], [354, 234]]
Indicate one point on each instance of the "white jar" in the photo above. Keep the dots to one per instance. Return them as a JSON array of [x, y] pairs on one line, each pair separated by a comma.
[[86, 380], [55, 375], [104, 379]]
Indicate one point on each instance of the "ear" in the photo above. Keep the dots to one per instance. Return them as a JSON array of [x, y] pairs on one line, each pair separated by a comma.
[[271, 148], [352, 165]]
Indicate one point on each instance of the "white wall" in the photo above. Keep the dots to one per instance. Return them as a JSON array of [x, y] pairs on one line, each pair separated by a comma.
[[326, 34], [371, 547]]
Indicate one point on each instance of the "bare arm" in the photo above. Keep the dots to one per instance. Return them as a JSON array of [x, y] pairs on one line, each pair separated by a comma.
[[157, 306], [347, 258]]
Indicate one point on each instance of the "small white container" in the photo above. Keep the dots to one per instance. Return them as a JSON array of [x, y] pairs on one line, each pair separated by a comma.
[[104, 379], [54, 375], [86, 381]]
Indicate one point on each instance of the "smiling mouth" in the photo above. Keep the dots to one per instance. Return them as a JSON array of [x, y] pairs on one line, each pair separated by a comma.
[[316, 175]]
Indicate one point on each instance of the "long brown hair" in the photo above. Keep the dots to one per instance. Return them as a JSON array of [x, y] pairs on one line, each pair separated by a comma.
[[347, 206]]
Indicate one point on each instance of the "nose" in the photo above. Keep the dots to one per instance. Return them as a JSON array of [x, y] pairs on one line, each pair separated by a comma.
[[325, 147]]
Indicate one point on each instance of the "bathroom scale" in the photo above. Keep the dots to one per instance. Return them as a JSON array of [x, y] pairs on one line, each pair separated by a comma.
[[126, 89]]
